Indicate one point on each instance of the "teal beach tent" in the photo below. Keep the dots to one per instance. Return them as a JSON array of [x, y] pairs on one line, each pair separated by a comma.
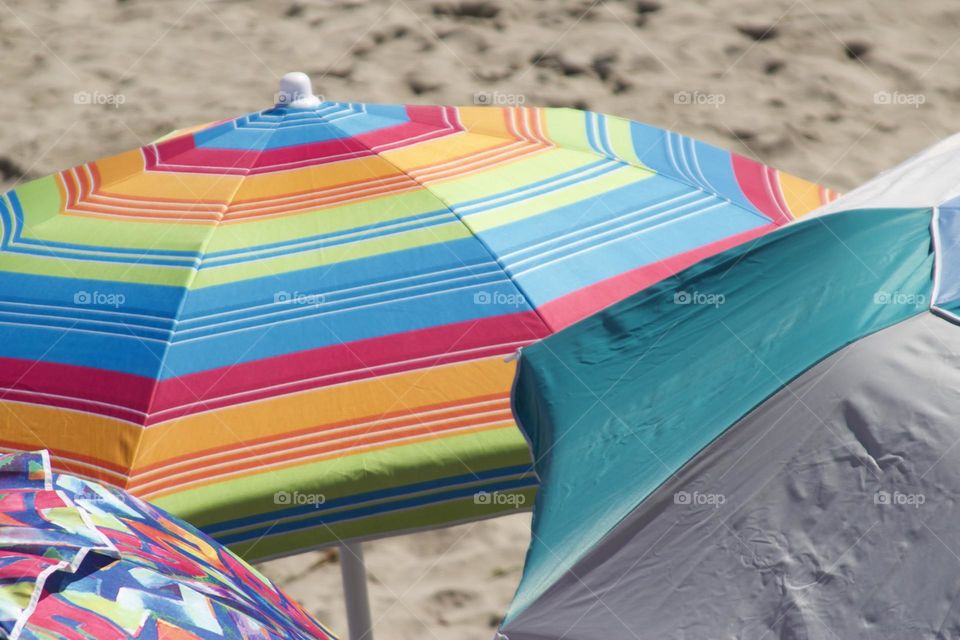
[[765, 445]]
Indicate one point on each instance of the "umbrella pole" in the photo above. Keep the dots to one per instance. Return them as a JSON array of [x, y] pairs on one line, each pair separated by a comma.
[[354, 575]]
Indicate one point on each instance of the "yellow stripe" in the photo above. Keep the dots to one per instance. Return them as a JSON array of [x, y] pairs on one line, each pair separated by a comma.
[[125, 174], [800, 195]]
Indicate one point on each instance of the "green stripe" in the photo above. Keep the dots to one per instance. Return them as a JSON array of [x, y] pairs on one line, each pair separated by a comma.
[[97, 271], [430, 517], [555, 198], [40, 200], [352, 474], [240, 235], [284, 263]]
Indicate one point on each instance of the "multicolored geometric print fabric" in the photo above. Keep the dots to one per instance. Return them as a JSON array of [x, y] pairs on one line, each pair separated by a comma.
[[290, 327], [80, 560]]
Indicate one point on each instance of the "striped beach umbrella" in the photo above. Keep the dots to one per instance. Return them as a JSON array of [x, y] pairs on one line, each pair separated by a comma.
[[765, 444], [289, 328], [81, 560]]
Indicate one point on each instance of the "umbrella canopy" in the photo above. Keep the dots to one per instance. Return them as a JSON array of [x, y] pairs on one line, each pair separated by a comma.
[[763, 444], [290, 327], [80, 560]]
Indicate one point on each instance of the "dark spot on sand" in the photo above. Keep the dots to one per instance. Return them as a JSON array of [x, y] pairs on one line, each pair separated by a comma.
[[477, 9], [602, 65], [419, 85], [643, 9], [856, 49], [10, 169], [557, 63], [647, 6], [774, 66], [758, 32]]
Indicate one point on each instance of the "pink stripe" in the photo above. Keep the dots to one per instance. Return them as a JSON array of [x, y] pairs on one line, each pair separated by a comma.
[[252, 378], [128, 397], [576, 306], [182, 154], [760, 189], [25, 379]]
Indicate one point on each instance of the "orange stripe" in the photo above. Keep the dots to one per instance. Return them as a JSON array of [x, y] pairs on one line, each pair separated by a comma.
[[291, 461], [89, 438], [63, 464], [322, 433], [274, 417], [116, 446], [160, 203], [318, 201], [475, 168], [306, 196], [342, 443]]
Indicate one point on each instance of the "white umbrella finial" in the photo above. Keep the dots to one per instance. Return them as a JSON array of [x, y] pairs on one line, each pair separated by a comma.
[[296, 91]]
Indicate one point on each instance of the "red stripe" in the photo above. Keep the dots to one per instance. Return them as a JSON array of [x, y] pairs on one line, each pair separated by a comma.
[[182, 152], [753, 177], [357, 358], [18, 376], [70, 186], [579, 304], [84, 386]]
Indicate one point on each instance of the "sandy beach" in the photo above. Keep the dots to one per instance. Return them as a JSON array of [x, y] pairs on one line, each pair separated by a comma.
[[832, 92]]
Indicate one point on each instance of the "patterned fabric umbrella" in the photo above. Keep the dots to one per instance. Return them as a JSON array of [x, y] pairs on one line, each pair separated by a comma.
[[290, 327], [80, 560], [764, 445]]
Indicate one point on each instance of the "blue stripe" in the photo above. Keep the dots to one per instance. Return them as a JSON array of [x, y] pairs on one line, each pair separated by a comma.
[[373, 510], [313, 332], [588, 119], [73, 323], [621, 254], [604, 136], [119, 351], [304, 308], [416, 261], [6, 224], [249, 133], [650, 145]]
